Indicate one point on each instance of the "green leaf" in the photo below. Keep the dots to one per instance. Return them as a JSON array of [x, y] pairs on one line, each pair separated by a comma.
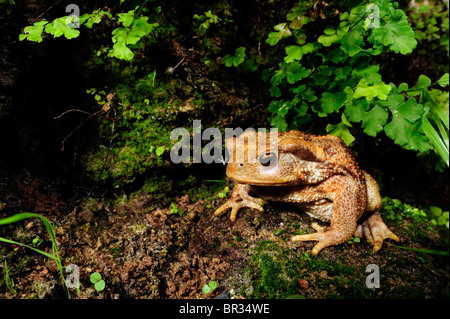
[[309, 95], [405, 127], [293, 52], [274, 38], [368, 72], [248, 66], [95, 277], [328, 40], [395, 33], [435, 210], [403, 87], [295, 72], [34, 32], [331, 102], [379, 90], [159, 150], [335, 55], [341, 130], [282, 31], [341, 74], [353, 42], [235, 60], [422, 83], [374, 120], [212, 285], [410, 110], [356, 110], [279, 122], [126, 18], [308, 48], [121, 51], [443, 81], [99, 286], [206, 289], [59, 27]]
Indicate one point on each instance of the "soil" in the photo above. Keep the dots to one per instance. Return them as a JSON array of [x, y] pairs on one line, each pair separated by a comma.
[[145, 250]]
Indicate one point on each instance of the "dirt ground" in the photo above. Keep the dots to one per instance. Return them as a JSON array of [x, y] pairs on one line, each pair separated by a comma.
[[145, 250]]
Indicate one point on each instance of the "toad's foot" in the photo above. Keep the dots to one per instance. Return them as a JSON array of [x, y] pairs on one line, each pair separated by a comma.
[[326, 237], [374, 230], [240, 198]]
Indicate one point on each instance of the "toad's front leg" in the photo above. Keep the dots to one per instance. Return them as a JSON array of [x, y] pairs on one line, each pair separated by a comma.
[[240, 198]]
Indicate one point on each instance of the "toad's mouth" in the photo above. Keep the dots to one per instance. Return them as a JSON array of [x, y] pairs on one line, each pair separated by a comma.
[[262, 182]]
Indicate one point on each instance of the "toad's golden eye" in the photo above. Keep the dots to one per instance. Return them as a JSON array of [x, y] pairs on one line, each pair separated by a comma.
[[268, 159]]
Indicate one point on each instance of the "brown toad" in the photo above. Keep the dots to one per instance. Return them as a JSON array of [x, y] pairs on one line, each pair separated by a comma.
[[317, 174]]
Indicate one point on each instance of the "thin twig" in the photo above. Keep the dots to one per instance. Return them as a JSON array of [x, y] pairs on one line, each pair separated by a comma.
[[81, 124], [71, 110]]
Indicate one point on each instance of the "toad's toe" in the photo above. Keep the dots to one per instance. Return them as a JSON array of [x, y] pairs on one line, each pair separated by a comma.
[[375, 231]]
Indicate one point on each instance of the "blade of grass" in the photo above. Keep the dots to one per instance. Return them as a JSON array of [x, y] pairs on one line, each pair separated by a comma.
[[421, 250], [436, 108], [9, 281], [46, 254], [51, 232], [436, 140]]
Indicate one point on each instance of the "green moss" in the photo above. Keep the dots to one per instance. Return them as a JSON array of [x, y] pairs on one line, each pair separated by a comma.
[[135, 137], [276, 271]]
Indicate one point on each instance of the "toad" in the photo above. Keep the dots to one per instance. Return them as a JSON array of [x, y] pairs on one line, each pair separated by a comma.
[[318, 174]]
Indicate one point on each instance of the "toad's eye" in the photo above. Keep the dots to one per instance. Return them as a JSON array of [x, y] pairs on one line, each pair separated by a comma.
[[268, 159]]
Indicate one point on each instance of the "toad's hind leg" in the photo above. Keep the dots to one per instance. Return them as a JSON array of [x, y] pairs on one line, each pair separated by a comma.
[[333, 235], [344, 215]]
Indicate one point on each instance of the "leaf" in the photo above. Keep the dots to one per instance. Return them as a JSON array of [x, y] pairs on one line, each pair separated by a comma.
[[334, 55], [309, 95], [341, 130], [293, 52], [374, 120], [212, 285], [248, 66], [352, 43], [294, 72], [33, 32], [121, 51], [395, 33], [308, 48], [328, 40], [342, 73], [443, 81], [99, 286], [422, 83], [206, 289], [282, 31], [410, 110], [368, 72], [279, 122], [120, 35], [356, 110], [274, 38], [126, 18], [235, 60], [403, 87], [95, 277], [405, 127], [331, 102], [159, 150], [59, 27], [379, 90]]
